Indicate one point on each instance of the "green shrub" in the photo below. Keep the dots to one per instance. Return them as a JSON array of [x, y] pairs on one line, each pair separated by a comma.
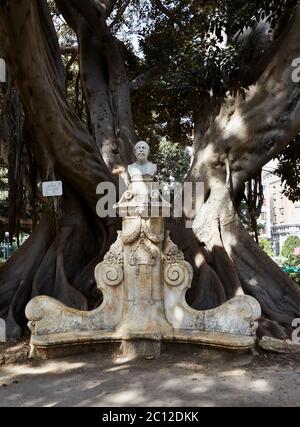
[[288, 251], [265, 244]]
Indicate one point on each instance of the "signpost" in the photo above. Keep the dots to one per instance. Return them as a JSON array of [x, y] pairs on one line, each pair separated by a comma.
[[52, 189]]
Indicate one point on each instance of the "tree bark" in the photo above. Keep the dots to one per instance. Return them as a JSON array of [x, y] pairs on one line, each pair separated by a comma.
[[73, 235], [245, 132]]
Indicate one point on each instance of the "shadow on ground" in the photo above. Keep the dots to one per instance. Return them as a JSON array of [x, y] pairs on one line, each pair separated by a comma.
[[202, 379]]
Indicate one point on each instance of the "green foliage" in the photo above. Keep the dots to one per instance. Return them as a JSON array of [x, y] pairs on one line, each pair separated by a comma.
[[288, 251], [245, 217], [195, 51], [265, 244], [193, 48], [173, 161]]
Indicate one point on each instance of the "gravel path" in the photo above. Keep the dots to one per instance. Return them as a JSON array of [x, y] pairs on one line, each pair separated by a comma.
[[203, 379]]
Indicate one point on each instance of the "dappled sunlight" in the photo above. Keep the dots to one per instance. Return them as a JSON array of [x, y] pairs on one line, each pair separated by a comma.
[[172, 383], [194, 380], [117, 368], [199, 260], [50, 405], [179, 314], [253, 282], [10, 372], [126, 397], [203, 385], [233, 127], [189, 365], [261, 386], [233, 373], [121, 360]]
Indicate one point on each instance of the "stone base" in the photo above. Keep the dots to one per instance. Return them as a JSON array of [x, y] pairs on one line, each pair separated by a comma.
[[144, 279], [112, 345], [141, 348]]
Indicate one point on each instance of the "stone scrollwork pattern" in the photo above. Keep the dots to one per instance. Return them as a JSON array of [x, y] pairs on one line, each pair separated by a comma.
[[110, 272], [110, 275], [171, 252], [115, 254], [176, 270], [238, 316], [176, 274], [48, 316], [250, 311]]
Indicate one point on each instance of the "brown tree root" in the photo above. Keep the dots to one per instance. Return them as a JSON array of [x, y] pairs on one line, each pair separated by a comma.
[[57, 260]]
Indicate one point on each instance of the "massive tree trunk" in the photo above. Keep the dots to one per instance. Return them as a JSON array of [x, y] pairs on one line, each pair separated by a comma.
[[245, 132], [234, 138], [57, 259]]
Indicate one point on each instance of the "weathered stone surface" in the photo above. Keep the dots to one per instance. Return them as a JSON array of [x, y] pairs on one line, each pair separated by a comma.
[[238, 316], [141, 348], [48, 316], [279, 346], [144, 279]]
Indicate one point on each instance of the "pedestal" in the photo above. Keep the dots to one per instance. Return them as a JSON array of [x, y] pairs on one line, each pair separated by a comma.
[[144, 279]]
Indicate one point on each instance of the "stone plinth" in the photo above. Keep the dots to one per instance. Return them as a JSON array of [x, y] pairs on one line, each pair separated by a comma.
[[144, 279]]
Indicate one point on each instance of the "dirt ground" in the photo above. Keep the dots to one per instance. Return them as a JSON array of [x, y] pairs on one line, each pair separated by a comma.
[[205, 378]]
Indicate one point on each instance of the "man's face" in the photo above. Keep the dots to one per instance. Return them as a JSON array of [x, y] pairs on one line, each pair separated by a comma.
[[141, 151]]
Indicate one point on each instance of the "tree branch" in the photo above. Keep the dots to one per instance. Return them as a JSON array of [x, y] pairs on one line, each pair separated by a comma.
[[120, 12], [106, 87], [70, 15], [93, 10], [142, 80], [69, 50], [162, 8], [253, 126]]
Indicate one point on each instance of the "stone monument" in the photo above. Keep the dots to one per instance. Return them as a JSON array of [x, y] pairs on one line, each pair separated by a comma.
[[143, 279]]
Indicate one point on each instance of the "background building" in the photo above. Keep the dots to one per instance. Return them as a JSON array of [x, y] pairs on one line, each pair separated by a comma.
[[280, 216]]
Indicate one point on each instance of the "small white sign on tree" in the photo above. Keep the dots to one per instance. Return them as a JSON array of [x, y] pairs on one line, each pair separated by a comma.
[[52, 189], [2, 71]]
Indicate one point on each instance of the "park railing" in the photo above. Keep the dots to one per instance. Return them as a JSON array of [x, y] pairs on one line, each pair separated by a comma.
[[291, 269]]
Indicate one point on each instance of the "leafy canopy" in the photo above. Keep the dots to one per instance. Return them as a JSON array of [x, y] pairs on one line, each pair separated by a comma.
[[194, 47]]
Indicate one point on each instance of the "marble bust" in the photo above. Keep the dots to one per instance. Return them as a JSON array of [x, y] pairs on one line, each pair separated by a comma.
[[142, 168], [141, 188]]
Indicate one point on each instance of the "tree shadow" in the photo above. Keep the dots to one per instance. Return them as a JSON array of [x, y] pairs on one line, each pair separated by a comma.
[[200, 379]]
